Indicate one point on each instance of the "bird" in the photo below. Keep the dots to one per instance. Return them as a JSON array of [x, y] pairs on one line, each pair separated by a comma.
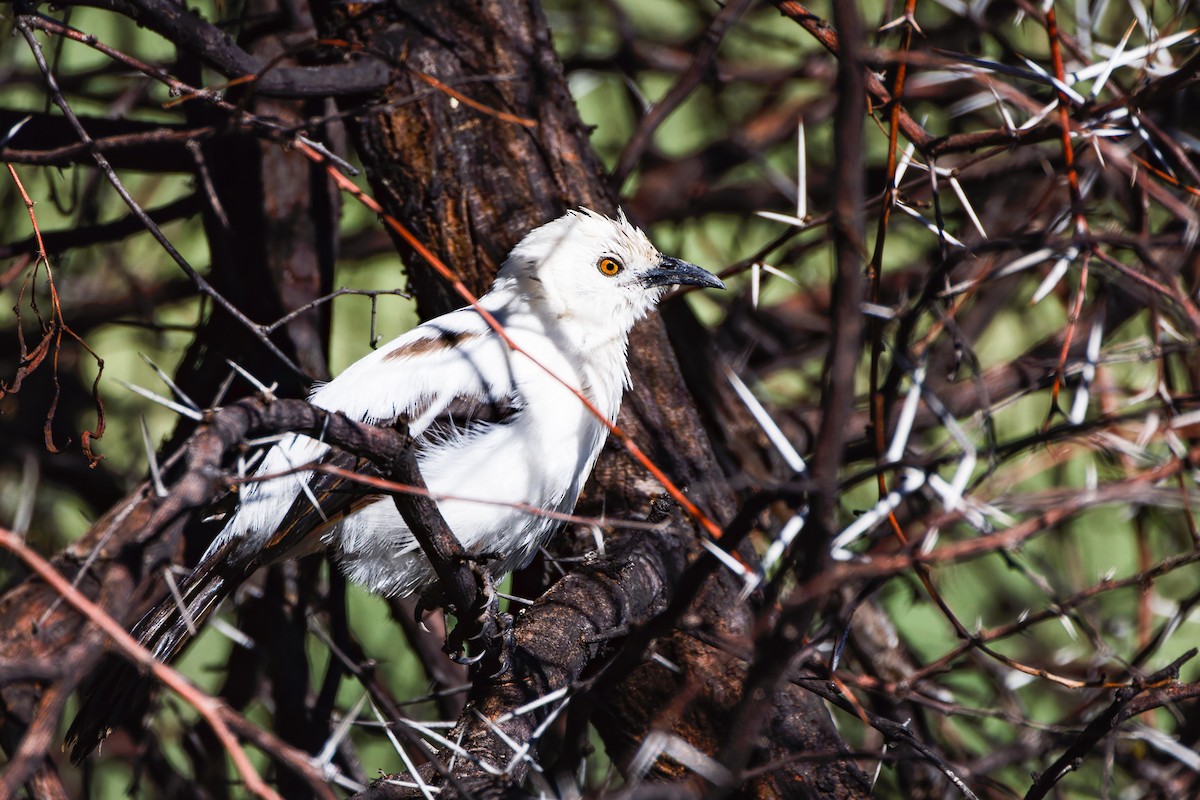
[[495, 419]]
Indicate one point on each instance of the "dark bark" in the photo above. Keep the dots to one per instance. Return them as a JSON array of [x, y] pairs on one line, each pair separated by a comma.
[[465, 182], [271, 222], [191, 33], [268, 219], [129, 144]]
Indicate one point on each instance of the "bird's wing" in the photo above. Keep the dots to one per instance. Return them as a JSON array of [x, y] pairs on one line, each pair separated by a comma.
[[454, 363], [446, 378], [331, 497]]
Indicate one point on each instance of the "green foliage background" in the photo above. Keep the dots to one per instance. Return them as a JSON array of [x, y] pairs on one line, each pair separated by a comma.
[[983, 593]]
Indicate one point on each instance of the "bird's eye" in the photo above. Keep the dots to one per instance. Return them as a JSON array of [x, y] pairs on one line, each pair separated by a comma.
[[609, 266]]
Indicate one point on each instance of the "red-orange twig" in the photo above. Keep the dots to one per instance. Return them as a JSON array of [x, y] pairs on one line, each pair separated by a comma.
[[208, 707], [475, 104], [1081, 224]]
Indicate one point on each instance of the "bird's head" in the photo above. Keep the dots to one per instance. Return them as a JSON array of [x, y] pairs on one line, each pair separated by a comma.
[[600, 271]]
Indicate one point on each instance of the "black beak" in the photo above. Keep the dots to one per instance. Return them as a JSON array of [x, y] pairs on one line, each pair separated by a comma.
[[671, 271]]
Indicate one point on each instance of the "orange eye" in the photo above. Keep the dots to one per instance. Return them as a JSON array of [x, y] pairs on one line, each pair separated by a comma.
[[608, 266]]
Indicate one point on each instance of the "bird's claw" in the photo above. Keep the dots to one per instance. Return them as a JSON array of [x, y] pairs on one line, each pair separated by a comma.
[[485, 627], [426, 602]]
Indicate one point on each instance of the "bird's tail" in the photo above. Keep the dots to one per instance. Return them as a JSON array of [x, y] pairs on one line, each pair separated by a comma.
[[165, 631]]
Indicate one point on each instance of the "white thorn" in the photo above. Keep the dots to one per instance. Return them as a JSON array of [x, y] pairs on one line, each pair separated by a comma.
[[425, 788], [1054, 276], [908, 413], [929, 225], [329, 749], [905, 160], [774, 434], [184, 611], [801, 173], [255, 382], [785, 218], [1110, 64], [162, 401], [787, 535], [913, 479], [152, 460], [966, 204], [170, 383], [1088, 373]]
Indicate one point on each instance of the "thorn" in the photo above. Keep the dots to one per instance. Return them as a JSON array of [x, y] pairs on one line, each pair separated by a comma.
[[907, 18], [912, 480], [23, 515], [785, 218], [1072, 95], [787, 535], [1054, 276], [329, 749], [333, 158], [408, 764], [902, 167], [929, 226], [155, 473], [780, 274], [908, 413], [269, 391], [14, 130], [966, 204], [170, 383], [731, 563], [162, 401], [512, 598], [235, 635], [774, 433], [664, 661], [1111, 63], [549, 697], [184, 611], [223, 389], [1009, 125], [455, 748], [801, 173]]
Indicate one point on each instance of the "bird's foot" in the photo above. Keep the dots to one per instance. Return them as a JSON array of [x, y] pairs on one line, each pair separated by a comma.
[[482, 630]]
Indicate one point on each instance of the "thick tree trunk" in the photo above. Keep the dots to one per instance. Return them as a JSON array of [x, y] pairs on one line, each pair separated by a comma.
[[465, 181]]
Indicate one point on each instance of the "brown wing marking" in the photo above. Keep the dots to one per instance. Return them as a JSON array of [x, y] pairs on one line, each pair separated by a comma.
[[444, 340]]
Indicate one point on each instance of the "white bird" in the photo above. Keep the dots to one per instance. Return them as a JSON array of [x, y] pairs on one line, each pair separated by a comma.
[[495, 427]]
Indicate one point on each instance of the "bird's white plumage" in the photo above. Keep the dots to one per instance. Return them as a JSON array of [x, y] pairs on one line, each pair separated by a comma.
[[561, 312]]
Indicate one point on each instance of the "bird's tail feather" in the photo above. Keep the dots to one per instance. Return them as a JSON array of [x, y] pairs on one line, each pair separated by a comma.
[[165, 631]]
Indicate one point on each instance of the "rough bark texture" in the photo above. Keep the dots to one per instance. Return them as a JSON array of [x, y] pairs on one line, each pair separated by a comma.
[[465, 182], [268, 219]]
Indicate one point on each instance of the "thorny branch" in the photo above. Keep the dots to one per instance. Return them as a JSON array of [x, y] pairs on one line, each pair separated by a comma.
[[1034, 255]]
